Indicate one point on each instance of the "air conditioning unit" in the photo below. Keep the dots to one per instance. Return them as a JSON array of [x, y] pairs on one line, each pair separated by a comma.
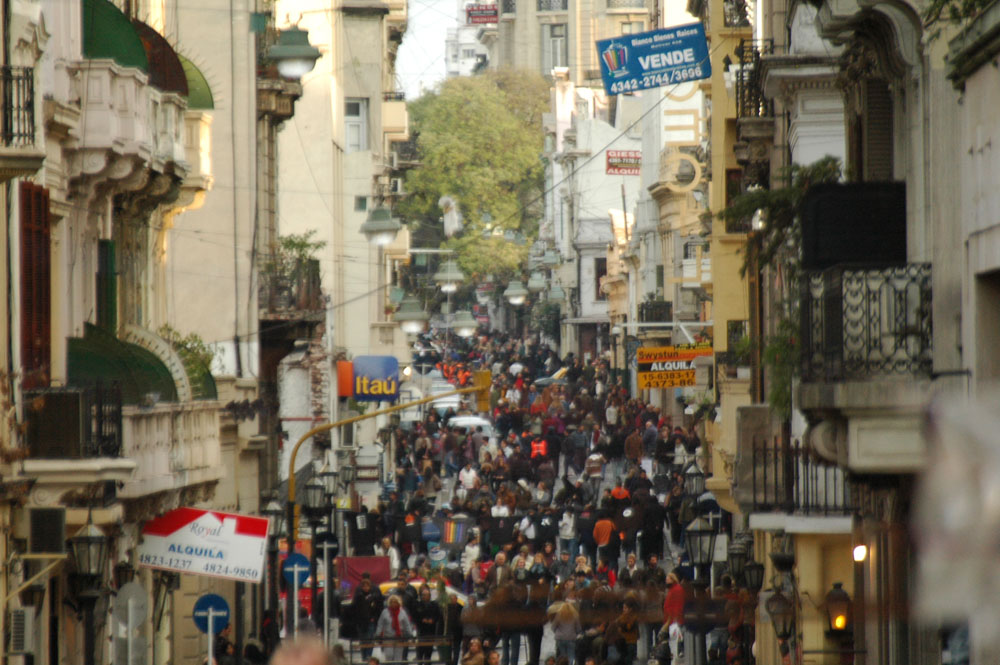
[[396, 186], [22, 631]]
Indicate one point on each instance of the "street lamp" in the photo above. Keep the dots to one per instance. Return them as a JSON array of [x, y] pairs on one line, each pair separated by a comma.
[[381, 227], [515, 293], [449, 276], [737, 560], [410, 316], [90, 550], [782, 612], [699, 539], [465, 324], [556, 293], [838, 610], [536, 282], [293, 54], [694, 480], [314, 503], [276, 519]]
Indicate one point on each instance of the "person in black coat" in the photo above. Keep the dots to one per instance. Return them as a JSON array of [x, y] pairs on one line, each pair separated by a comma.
[[429, 620], [365, 610]]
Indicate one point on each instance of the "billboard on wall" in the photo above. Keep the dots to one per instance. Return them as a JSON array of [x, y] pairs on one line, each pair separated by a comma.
[[668, 366], [622, 162], [480, 14], [369, 378]]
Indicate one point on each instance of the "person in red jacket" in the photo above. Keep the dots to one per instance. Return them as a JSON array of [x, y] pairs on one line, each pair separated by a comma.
[[673, 611]]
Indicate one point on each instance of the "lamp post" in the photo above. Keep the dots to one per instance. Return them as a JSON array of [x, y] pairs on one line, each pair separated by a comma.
[[465, 324], [314, 504], [410, 316], [515, 293], [90, 550], [276, 517], [694, 480]]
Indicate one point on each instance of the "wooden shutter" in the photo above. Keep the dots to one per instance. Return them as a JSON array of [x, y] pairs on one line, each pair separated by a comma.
[[36, 274], [107, 286], [877, 131]]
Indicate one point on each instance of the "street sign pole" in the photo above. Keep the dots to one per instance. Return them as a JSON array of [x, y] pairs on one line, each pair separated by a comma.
[[211, 637], [295, 617], [128, 634], [326, 599], [207, 609]]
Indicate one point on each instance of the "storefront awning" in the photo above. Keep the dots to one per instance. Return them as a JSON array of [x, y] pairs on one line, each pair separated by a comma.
[[107, 33]]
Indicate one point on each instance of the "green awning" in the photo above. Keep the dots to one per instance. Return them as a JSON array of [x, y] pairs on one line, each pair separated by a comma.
[[99, 356], [107, 33], [199, 93]]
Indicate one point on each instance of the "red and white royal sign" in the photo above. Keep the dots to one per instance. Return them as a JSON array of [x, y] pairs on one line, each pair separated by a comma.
[[206, 542]]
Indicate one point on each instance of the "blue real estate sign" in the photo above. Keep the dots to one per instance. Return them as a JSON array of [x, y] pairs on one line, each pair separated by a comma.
[[653, 59]]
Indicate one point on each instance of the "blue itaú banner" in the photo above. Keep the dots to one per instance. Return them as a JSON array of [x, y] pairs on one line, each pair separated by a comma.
[[653, 59]]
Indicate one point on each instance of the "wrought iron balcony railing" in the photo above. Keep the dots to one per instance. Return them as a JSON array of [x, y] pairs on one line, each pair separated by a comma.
[[394, 96], [860, 323], [17, 114], [786, 477], [626, 4], [508, 6], [69, 423], [750, 99], [553, 5], [656, 311]]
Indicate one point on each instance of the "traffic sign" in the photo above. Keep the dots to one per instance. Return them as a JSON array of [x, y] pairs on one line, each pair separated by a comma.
[[326, 543], [131, 605], [211, 608], [296, 569]]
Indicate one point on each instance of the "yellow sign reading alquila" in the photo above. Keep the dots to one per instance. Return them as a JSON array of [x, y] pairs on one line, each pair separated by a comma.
[[668, 366]]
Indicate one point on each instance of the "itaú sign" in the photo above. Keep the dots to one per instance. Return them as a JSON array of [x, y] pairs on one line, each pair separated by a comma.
[[369, 378]]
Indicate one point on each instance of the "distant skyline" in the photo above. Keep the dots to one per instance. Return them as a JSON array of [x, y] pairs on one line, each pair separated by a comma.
[[420, 63]]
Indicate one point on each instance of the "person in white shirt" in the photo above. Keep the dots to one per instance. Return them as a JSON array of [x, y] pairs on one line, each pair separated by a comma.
[[386, 548], [470, 555], [500, 509], [468, 477]]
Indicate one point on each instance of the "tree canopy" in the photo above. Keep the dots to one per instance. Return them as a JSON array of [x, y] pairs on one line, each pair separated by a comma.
[[480, 141]]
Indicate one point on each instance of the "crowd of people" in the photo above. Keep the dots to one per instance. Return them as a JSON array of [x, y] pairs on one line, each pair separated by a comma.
[[576, 508]]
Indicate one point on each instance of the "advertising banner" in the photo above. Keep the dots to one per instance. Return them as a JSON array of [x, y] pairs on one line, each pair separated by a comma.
[[369, 378], [480, 14], [622, 162], [668, 366], [206, 542], [652, 59]]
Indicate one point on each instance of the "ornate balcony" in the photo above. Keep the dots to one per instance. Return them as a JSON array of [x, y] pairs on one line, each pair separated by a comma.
[[66, 423], [291, 292], [735, 14], [785, 477], [508, 6], [626, 4], [750, 99], [553, 5], [19, 154], [656, 311], [863, 323]]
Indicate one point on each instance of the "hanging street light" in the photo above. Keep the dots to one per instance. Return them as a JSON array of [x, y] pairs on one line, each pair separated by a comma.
[[699, 539], [410, 316], [465, 324], [89, 547], [515, 293], [448, 277], [782, 612], [293, 54], [536, 283], [381, 227]]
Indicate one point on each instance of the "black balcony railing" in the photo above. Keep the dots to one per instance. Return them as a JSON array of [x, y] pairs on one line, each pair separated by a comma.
[[750, 99], [508, 6], [626, 4], [553, 5], [289, 288], [394, 96], [860, 323], [17, 115], [406, 151], [70, 423], [656, 311], [786, 477]]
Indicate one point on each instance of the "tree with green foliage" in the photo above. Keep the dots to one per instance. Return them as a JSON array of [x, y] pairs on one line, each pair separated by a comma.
[[479, 141], [776, 245]]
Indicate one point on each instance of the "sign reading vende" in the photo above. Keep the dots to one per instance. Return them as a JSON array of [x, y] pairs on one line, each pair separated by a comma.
[[480, 14], [206, 542], [668, 366], [622, 162], [653, 59]]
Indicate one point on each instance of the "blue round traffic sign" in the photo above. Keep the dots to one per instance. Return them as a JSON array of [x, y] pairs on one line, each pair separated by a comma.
[[211, 606], [296, 569]]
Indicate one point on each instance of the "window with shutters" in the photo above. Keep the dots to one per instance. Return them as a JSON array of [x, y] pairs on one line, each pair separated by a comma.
[[871, 132], [356, 124], [36, 273], [555, 50]]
